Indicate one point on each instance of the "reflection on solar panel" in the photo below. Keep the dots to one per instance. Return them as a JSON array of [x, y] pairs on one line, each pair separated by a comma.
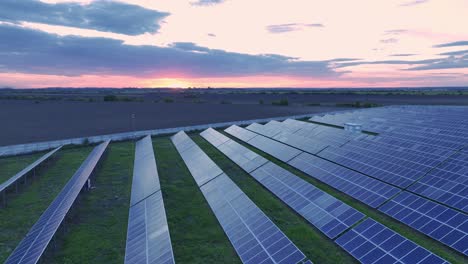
[[328, 214], [303, 143], [148, 239], [365, 189], [371, 242], [27, 170], [202, 168], [447, 183], [36, 241], [437, 221], [374, 165], [254, 236], [274, 148], [325, 212], [246, 159]]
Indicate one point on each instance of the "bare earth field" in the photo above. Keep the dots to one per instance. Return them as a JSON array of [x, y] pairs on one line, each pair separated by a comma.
[[27, 121], [51, 115]]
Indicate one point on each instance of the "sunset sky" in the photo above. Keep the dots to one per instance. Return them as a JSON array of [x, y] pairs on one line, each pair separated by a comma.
[[233, 43]]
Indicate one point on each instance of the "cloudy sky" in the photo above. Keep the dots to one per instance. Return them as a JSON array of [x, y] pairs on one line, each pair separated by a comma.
[[233, 43]]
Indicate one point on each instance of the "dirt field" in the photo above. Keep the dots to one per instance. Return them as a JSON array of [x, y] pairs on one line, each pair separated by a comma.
[[51, 115], [27, 121]]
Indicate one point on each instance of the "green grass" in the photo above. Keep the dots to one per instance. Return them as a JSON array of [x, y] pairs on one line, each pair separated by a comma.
[[310, 240], [420, 239], [25, 207], [196, 235], [96, 228], [9, 166]]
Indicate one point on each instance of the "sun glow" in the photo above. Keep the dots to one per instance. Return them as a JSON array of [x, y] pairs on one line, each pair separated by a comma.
[[166, 83]]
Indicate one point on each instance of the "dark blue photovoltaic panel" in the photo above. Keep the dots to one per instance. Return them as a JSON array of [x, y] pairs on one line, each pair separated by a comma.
[[365, 189], [373, 165], [329, 215], [31, 248], [437, 221], [322, 210], [26, 170], [447, 183], [372, 242], [255, 238], [253, 235], [148, 239]]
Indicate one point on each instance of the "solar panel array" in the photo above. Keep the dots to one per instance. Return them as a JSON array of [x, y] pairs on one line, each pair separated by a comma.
[[325, 212], [371, 242], [365, 189], [437, 221], [253, 235], [31, 248], [148, 238], [5, 185], [447, 183], [421, 148]]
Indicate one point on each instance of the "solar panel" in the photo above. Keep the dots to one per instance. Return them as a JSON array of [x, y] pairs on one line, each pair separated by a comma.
[[437, 221], [242, 134], [285, 126], [253, 235], [371, 242], [365, 189], [373, 165], [268, 131], [31, 248], [274, 148], [447, 183], [148, 239], [215, 138], [145, 174], [27, 170], [202, 168], [328, 214]]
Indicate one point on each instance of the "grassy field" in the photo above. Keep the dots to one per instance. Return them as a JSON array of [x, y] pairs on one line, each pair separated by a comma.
[[9, 166], [95, 231], [422, 240], [25, 207]]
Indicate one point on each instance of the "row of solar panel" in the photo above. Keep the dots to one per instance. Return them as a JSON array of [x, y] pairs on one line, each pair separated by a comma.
[[367, 190], [253, 235], [31, 167], [447, 183], [31, 248], [323, 170], [328, 214], [325, 212], [434, 172], [148, 238]]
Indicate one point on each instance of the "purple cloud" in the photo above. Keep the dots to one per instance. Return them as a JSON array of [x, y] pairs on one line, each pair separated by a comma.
[[109, 16]]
